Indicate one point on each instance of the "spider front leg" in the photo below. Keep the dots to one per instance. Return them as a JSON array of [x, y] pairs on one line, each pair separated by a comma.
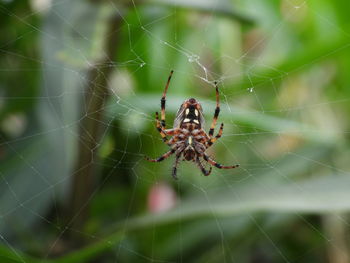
[[160, 129], [162, 101], [212, 140], [217, 165], [164, 132], [216, 113]]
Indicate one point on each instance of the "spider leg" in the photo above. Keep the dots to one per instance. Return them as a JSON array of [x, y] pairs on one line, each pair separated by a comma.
[[161, 158], [216, 113], [212, 140], [173, 140], [163, 132], [162, 101], [217, 165], [160, 129], [205, 172], [175, 166]]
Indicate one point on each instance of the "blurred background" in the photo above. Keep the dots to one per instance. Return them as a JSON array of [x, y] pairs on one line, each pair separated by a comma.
[[80, 82]]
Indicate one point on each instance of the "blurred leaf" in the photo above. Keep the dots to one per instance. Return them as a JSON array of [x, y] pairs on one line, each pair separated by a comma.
[[149, 103], [38, 165], [310, 56], [222, 7], [325, 194], [83, 42], [10, 255]]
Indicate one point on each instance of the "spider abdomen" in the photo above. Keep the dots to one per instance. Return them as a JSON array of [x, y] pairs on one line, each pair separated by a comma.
[[189, 154]]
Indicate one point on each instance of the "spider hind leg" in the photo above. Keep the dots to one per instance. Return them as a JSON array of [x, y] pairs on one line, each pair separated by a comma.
[[200, 165], [218, 165], [174, 171], [161, 158]]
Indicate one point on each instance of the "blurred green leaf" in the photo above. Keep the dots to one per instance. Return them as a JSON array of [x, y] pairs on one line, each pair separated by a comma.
[[324, 194], [221, 7], [306, 175], [149, 103], [11, 255], [309, 56]]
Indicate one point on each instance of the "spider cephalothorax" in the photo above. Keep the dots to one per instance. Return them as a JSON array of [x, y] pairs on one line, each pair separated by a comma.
[[188, 137]]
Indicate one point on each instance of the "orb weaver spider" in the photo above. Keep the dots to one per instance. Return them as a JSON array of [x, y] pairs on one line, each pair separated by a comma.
[[188, 137]]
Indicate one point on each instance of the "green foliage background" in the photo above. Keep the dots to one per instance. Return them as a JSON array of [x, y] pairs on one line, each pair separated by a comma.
[[79, 85]]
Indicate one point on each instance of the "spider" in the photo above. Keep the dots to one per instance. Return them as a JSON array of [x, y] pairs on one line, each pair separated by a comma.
[[188, 137]]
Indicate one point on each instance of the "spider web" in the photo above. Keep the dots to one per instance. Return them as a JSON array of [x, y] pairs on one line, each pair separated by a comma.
[[276, 127]]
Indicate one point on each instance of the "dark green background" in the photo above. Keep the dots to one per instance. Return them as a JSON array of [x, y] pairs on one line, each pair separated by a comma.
[[79, 84]]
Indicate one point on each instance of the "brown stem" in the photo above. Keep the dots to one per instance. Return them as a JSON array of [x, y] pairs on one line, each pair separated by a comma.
[[91, 126]]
